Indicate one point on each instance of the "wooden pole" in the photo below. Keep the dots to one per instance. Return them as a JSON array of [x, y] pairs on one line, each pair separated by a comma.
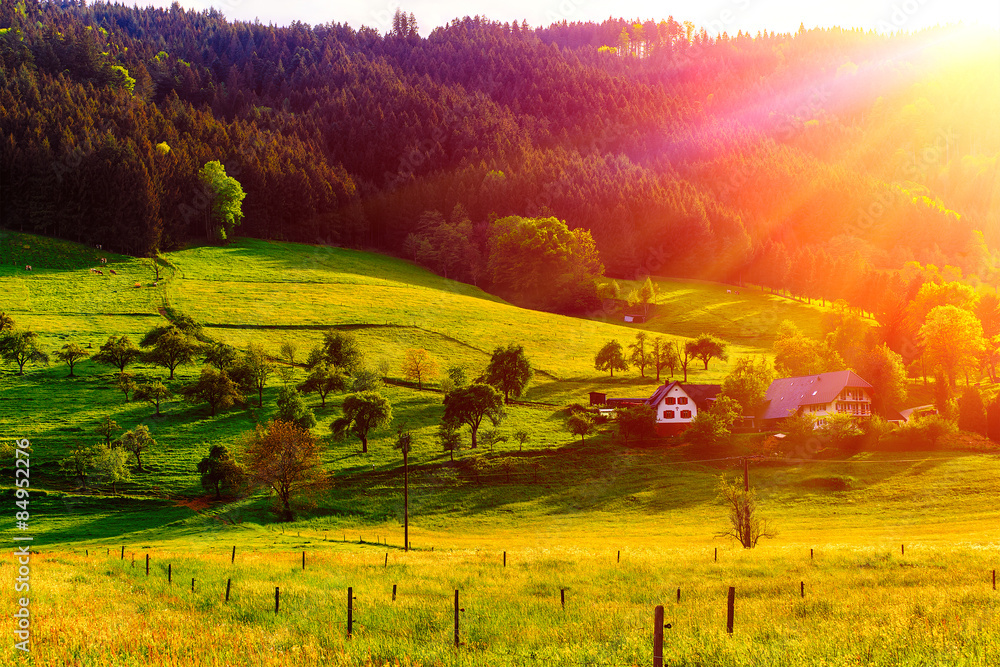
[[810, 554], [716, 554], [123, 552], [505, 559], [169, 574], [228, 584], [303, 560], [802, 588], [562, 598], [350, 611], [658, 636], [678, 595], [192, 585], [456, 618], [730, 604], [902, 549], [619, 555], [232, 559], [277, 596], [406, 498], [394, 592], [386, 559], [994, 579], [147, 565]]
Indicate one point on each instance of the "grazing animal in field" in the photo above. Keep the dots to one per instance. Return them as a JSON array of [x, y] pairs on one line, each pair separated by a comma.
[[100, 273], [113, 272], [137, 285], [27, 267]]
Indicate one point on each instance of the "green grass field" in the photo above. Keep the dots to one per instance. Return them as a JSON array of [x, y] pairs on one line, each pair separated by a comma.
[[562, 509]]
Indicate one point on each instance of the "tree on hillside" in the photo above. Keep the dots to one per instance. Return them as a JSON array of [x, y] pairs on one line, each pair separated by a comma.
[[540, 262], [70, 354], [795, 354], [509, 371], [288, 351], [137, 441], [522, 436], [253, 371], [667, 355], [111, 465], [953, 339], [118, 352], [580, 424], [171, 349], [707, 347], [323, 379], [886, 373], [107, 427], [341, 350], [219, 470], [152, 392], [450, 438], [225, 210], [79, 463], [292, 409], [125, 382], [745, 524], [747, 383], [21, 347], [611, 357], [364, 412], [215, 388], [286, 459], [646, 294], [222, 356], [470, 405], [972, 412], [366, 379], [419, 366], [635, 422], [639, 356], [492, 437], [684, 357], [6, 322]]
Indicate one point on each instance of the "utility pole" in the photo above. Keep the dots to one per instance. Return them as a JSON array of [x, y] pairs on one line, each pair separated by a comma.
[[403, 442]]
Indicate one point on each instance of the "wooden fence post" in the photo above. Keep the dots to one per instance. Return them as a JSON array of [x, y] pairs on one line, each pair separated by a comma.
[[192, 585], [394, 592], [277, 594], [994, 579], [802, 588], [810, 554], [350, 611], [456, 617], [228, 584], [147, 565], [619, 556], [678, 595], [170, 579], [232, 559], [716, 554], [658, 636], [123, 552], [386, 560], [562, 598], [730, 604], [902, 549], [505, 559], [303, 560]]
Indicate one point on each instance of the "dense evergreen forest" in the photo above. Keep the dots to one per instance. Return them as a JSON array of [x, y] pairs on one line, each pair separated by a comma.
[[808, 162]]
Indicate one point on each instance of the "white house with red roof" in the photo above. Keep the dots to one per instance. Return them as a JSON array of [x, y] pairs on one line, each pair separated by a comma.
[[678, 404], [819, 395]]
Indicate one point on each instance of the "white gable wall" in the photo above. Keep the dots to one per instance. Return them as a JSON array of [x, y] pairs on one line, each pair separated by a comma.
[[678, 402]]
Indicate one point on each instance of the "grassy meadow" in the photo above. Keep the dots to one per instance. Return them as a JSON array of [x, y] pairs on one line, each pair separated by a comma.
[[562, 509]]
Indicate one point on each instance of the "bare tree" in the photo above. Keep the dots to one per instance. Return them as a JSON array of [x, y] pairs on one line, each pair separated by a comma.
[[745, 526]]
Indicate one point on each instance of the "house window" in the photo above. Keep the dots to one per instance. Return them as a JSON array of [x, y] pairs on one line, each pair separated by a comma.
[[668, 414], [682, 400], [685, 414], [670, 400]]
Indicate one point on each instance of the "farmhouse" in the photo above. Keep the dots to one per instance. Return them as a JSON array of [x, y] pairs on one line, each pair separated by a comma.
[[818, 395], [678, 404]]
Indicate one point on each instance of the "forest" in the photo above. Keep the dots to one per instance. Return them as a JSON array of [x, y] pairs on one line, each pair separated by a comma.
[[813, 162]]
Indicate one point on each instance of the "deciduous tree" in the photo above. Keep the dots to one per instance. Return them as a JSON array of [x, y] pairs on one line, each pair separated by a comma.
[[707, 347], [286, 459], [509, 371], [953, 339], [639, 356], [22, 347], [215, 388], [219, 470], [323, 379], [364, 412], [580, 424], [745, 524], [470, 405], [171, 349], [226, 195], [419, 366], [747, 383], [70, 354], [137, 441], [291, 408], [611, 357], [118, 352], [153, 392]]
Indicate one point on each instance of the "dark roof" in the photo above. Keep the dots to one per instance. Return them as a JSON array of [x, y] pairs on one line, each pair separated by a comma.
[[787, 395], [701, 394]]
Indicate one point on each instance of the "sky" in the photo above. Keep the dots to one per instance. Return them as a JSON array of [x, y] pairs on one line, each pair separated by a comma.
[[715, 16]]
